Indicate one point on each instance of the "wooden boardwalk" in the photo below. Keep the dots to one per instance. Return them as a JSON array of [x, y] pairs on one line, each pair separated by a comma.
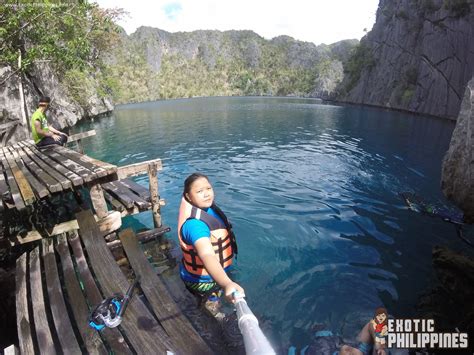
[[70, 269], [34, 173], [29, 174], [76, 279]]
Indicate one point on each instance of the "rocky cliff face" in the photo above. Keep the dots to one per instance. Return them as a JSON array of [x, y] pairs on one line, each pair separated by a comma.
[[247, 46], [201, 63], [419, 57], [457, 179], [64, 110]]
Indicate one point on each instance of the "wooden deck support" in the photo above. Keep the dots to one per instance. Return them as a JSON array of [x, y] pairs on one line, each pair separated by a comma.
[[98, 201], [151, 167], [107, 225], [155, 198]]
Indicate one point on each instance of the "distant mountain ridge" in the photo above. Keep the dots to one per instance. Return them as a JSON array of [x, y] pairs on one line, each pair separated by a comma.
[[209, 63]]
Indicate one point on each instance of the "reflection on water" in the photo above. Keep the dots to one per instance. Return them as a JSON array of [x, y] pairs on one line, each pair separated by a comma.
[[312, 191]]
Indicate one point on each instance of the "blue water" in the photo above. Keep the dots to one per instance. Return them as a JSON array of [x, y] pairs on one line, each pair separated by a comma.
[[312, 191]]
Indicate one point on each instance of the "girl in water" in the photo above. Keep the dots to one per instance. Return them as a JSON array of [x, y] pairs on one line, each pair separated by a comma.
[[207, 242]]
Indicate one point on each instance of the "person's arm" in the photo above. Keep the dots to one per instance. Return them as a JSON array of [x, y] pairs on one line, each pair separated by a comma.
[[44, 133], [214, 268], [55, 131]]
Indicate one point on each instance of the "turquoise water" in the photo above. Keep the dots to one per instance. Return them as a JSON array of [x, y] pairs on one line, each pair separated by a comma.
[[312, 192]]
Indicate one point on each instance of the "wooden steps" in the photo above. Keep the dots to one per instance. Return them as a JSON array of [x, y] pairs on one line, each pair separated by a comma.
[[128, 197], [52, 310]]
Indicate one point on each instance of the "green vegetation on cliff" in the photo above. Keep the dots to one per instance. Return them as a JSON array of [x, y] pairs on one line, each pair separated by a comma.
[[68, 37], [153, 64], [94, 59]]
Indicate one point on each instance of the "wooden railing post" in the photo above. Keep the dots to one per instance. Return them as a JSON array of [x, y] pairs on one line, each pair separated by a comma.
[[80, 148], [155, 197]]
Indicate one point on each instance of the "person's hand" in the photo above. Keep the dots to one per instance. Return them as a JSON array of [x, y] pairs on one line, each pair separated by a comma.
[[64, 134], [229, 290], [57, 138], [381, 352]]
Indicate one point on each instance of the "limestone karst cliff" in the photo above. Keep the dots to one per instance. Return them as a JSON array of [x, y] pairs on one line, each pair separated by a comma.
[[42, 80], [154, 64], [458, 166], [418, 57]]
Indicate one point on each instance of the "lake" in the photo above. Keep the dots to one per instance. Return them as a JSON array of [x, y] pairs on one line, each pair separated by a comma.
[[313, 193]]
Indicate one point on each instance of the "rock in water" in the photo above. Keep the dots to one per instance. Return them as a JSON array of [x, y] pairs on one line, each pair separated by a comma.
[[457, 179]]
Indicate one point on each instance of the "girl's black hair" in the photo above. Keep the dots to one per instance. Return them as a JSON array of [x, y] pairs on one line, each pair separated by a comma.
[[189, 181]]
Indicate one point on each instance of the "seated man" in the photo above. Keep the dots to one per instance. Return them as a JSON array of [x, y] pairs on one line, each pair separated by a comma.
[[42, 133]]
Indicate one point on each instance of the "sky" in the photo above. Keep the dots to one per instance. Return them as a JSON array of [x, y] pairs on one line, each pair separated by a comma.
[[317, 21]]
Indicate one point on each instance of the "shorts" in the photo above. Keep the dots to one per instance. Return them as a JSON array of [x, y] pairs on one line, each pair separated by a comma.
[[202, 289]]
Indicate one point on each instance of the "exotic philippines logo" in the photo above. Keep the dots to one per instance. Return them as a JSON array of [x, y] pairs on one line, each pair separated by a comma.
[[413, 334]]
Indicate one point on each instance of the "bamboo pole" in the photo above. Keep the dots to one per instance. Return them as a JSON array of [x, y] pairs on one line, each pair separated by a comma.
[[24, 121]]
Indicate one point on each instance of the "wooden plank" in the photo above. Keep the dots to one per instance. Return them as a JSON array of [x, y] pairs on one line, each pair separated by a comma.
[[51, 152], [119, 194], [43, 333], [25, 189], [23, 321], [82, 135], [3, 182], [14, 190], [112, 222], [137, 200], [9, 124], [168, 313], [67, 339], [75, 179], [116, 205], [77, 301], [125, 195], [11, 350], [143, 331], [110, 168], [38, 188], [136, 169], [112, 336], [52, 184], [61, 179], [7, 135], [139, 190], [149, 235], [85, 161]]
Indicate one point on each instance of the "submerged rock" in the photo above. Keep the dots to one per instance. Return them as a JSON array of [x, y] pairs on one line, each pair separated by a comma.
[[457, 179], [450, 302]]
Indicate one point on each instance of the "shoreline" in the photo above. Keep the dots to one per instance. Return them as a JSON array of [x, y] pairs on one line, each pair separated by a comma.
[[318, 99]]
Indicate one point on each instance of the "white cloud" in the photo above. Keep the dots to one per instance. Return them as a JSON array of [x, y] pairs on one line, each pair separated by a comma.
[[318, 21]]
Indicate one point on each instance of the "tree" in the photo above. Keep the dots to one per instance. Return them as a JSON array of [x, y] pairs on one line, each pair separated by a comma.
[[69, 35]]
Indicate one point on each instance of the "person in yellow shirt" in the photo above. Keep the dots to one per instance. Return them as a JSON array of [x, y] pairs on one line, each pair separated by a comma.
[[42, 133]]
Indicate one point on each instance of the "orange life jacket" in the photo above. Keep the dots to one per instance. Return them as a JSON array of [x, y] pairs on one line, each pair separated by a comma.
[[222, 238]]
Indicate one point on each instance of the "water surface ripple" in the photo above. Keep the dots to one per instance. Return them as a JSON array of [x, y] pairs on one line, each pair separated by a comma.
[[312, 191]]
